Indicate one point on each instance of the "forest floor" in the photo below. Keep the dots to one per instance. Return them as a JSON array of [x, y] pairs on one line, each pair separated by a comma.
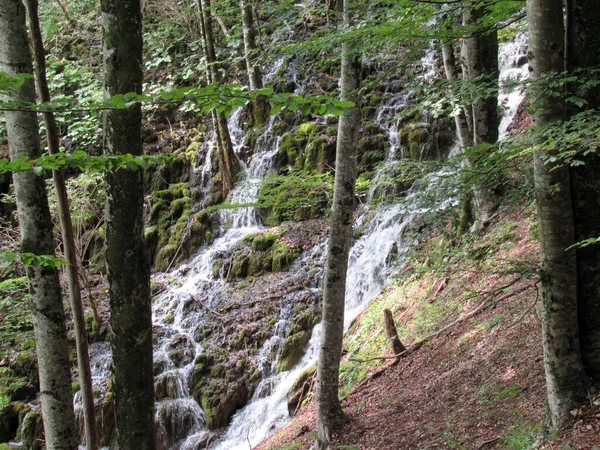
[[477, 384]]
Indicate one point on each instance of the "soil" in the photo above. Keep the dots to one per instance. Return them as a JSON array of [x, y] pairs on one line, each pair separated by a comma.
[[478, 385]]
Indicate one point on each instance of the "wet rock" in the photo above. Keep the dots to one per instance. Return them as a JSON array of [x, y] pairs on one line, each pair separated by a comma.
[[9, 423], [300, 390], [182, 350], [292, 350]]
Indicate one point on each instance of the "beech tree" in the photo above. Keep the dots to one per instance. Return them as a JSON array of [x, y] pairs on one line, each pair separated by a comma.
[[36, 237], [127, 259], [583, 61], [565, 378], [329, 410], [480, 66], [259, 107], [66, 225], [228, 162]]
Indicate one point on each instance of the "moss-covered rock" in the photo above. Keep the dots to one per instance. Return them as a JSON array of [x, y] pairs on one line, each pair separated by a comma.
[[283, 255], [222, 386], [9, 422], [292, 350], [307, 149], [31, 430], [427, 141], [298, 395], [24, 364], [175, 233]]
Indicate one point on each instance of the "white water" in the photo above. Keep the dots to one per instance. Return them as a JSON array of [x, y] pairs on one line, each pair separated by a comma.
[[178, 312]]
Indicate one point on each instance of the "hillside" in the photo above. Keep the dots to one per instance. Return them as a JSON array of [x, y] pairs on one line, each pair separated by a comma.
[[477, 381]]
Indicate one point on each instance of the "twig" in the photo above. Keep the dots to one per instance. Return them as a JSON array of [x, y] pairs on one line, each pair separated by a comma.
[[204, 304], [490, 441]]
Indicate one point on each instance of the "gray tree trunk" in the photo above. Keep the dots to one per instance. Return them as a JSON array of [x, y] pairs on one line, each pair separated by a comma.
[[583, 42], [228, 162], [329, 410], [481, 63], [64, 214], [127, 260], [36, 237], [565, 378], [260, 107]]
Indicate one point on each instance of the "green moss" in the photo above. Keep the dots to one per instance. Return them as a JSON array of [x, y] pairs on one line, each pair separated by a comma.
[[305, 149], [292, 350], [25, 365], [280, 128], [283, 255]]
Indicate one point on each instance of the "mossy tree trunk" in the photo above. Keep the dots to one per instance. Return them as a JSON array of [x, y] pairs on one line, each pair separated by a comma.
[[583, 42], [66, 225], [127, 260], [36, 237], [228, 162], [260, 107], [565, 378], [329, 410], [481, 68]]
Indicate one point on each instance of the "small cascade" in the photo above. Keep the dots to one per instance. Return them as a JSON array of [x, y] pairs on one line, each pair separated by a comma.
[[194, 291], [514, 67]]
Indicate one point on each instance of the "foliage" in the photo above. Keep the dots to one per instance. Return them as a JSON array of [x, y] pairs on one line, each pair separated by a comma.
[[16, 323]]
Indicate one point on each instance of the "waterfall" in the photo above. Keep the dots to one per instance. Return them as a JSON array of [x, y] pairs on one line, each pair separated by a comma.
[[193, 290]]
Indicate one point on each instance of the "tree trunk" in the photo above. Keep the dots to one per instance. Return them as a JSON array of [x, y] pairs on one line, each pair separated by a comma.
[[228, 162], [127, 260], [329, 410], [583, 41], [36, 237], [481, 61], [83, 358], [260, 107], [565, 378], [392, 334]]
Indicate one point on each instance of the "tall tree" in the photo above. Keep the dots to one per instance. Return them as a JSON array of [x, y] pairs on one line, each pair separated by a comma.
[[583, 60], [565, 378], [127, 260], [66, 225], [260, 106], [36, 237], [480, 67], [329, 410], [228, 162]]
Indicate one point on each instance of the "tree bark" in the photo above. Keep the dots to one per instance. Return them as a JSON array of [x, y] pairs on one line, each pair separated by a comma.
[[228, 162], [36, 237], [127, 260], [565, 378], [481, 63], [329, 410], [64, 214], [583, 41], [260, 107]]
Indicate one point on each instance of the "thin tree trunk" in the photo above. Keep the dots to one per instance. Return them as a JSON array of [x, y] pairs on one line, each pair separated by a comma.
[[390, 330], [83, 358], [481, 61], [329, 410], [127, 259], [565, 378], [228, 162], [583, 42], [36, 237], [260, 107]]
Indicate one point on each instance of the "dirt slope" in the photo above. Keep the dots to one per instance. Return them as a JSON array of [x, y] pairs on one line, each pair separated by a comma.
[[478, 384]]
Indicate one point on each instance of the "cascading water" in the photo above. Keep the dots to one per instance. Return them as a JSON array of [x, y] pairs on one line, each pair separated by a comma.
[[177, 313]]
